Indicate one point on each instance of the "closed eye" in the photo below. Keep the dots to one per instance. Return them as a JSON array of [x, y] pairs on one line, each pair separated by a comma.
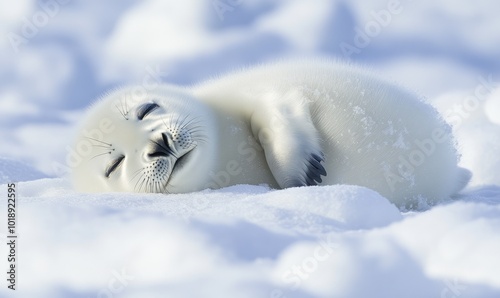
[[145, 109], [113, 165]]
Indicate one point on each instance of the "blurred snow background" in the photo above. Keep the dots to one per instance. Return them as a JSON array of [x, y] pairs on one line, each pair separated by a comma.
[[59, 56]]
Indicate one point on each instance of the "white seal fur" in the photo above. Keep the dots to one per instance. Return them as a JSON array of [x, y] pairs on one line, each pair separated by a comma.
[[284, 124]]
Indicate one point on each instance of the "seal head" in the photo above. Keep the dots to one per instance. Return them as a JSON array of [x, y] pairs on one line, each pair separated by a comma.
[[158, 142]]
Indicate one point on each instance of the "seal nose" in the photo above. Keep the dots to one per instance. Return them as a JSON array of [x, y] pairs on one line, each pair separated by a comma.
[[162, 147], [158, 154]]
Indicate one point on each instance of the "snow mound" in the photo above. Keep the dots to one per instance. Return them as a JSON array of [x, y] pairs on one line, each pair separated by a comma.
[[16, 171], [251, 241]]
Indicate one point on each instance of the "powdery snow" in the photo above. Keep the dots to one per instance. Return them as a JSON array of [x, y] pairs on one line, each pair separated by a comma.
[[250, 241]]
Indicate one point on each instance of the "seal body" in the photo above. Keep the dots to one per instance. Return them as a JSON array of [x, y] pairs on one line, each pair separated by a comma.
[[285, 124]]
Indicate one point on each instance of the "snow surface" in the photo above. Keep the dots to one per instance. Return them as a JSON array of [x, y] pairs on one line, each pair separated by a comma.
[[245, 241]]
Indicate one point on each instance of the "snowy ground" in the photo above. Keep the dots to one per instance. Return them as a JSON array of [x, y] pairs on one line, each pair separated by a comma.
[[244, 241]]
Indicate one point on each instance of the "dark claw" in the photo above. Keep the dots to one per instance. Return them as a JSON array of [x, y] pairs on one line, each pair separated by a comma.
[[310, 181], [318, 166], [317, 157], [315, 170], [314, 177]]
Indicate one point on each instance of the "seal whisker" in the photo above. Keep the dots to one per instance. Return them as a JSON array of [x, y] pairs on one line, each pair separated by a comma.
[[192, 125], [164, 186], [200, 140], [197, 130], [135, 186], [121, 112], [99, 141], [199, 135], [100, 146], [192, 121], [142, 182], [137, 183], [109, 152], [169, 125], [122, 106], [136, 173], [138, 180], [181, 124], [176, 124], [146, 184], [163, 121], [179, 121], [158, 187], [150, 186], [172, 123], [163, 183]]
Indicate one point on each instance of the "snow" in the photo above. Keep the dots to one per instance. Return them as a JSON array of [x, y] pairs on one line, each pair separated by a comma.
[[15, 171], [245, 241], [250, 241]]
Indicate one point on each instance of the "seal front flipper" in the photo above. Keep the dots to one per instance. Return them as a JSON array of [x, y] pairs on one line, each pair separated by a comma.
[[311, 175], [290, 140]]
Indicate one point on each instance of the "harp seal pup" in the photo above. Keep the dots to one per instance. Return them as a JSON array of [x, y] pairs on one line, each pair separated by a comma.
[[285, 124]]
